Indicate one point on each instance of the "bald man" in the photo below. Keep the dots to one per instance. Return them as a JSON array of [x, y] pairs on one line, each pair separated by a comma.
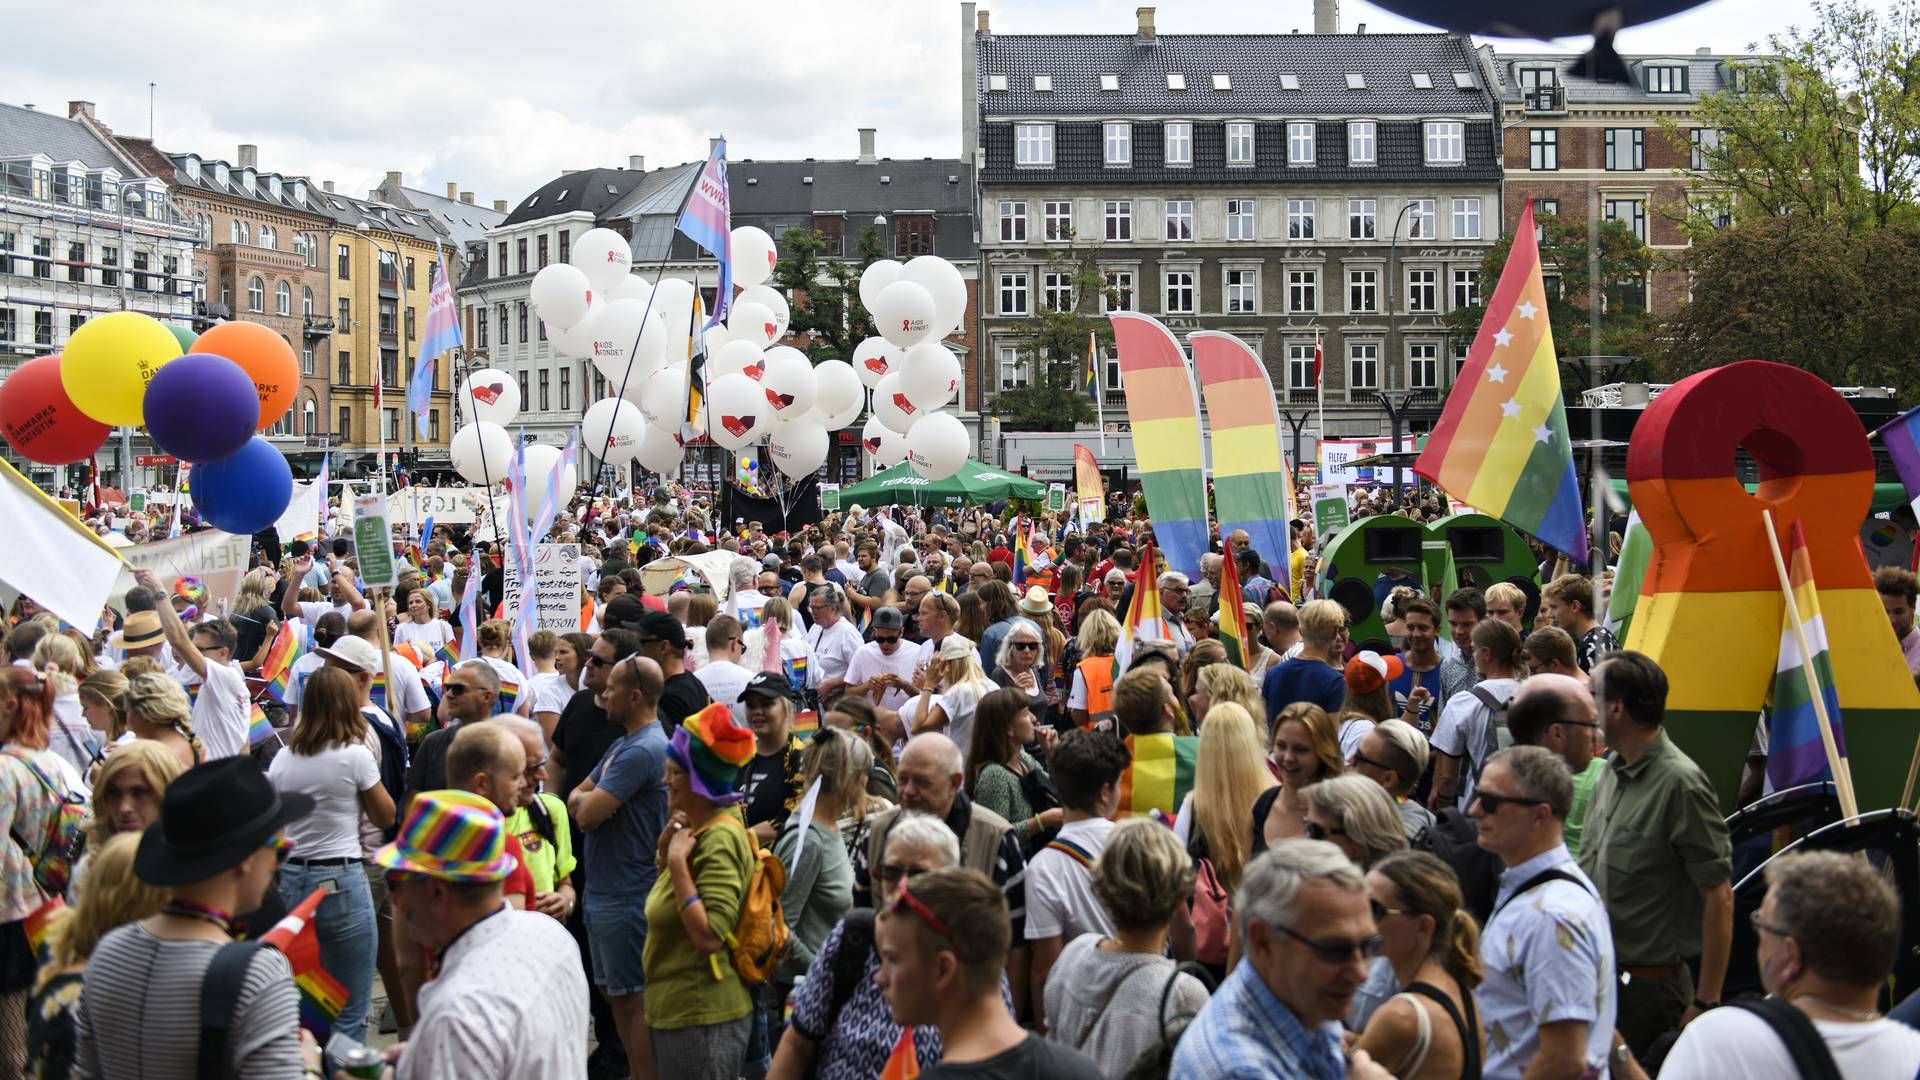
[[1556, 712]]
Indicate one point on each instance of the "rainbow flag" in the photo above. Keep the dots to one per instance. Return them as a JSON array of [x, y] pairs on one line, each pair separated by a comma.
[[321, 995], [1164, 412], [1161, 775], [288, 646], [1250, 474], [259, 728], [1501, 444], [378, 693], [1144, 621], [1233, 621], [1901, 437], [1795, 750], [39, 925], [449, 653], [904, 1062], [806, 722], [509, 696], [796, 673]]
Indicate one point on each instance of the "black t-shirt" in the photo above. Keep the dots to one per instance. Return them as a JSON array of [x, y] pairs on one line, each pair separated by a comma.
[[684, 695], [1030, 1060], [583, 734], [764, 783]]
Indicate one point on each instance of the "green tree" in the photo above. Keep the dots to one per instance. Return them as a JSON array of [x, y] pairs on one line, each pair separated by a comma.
[[1053, 348], [823, 291], [1622, 264], [1827, 127]]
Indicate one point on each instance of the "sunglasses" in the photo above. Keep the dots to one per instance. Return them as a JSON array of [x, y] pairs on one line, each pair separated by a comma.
[[454, 689], [282, 848], [1491, 803], [1362, 759], [1026, 646], [598, 661], [892, 639], [894, 873], [1337, 952], [1317, 831], [1381, 911], [770, 590], [911, 904]]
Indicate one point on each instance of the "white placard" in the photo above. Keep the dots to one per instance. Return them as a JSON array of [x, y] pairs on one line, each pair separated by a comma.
[[556, 576]]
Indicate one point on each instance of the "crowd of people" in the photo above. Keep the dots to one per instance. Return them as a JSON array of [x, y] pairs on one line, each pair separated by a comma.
[[899, 792]]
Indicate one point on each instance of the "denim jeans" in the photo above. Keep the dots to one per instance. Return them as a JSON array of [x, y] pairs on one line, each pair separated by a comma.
[[348, 937]]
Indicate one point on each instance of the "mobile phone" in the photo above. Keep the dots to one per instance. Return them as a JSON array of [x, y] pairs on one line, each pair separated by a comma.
[[341, 1045]]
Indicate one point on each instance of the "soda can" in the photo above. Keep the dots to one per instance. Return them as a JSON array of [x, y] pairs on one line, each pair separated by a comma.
[[363, 1063]]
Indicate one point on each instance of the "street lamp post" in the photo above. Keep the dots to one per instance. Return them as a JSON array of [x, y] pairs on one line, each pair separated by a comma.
[[400, 335], [1393, 281], [1398, 404], [1297, 424]]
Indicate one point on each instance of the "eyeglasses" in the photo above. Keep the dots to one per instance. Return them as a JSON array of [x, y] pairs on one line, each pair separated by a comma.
[[533, 767], [908, 902], [1362, 759], [282, 847], [893, 873], [1337, 952], [1317, 831], [1381, 911], [1491, 803], [1772, 928], [598, 661]]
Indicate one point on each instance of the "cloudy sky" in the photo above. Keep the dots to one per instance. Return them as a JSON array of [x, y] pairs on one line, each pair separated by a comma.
[[501, 96]]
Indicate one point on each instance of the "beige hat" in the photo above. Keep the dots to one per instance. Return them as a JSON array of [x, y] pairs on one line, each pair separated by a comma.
[[1035, 602]]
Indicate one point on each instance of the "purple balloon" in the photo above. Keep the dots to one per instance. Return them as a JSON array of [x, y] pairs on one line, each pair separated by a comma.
[[201, 408]]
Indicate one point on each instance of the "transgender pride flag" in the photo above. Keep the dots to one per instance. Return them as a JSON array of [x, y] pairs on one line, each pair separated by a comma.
[[707, 220], [443, 333]]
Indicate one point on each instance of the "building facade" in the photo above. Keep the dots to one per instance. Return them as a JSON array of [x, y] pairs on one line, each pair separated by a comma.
[[1288, 189], [1614, 151], [84, 230]]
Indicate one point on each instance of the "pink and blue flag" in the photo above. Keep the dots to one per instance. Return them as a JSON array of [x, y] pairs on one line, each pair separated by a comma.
[[470, 612], [707, 221], [1902, 440], [442, 333]]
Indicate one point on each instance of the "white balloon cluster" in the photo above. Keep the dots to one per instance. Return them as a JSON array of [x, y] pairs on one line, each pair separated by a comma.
[[481, 449], [911, 373]]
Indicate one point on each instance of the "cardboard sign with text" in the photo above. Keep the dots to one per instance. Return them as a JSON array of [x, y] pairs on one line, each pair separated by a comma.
[[556, 577], [372, 542], [218, 559], [1329, 509]]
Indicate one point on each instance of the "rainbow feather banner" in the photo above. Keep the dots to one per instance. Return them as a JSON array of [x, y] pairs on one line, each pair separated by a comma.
[[1252, 487], [321, 995], [1501, 444], [1164, 411]]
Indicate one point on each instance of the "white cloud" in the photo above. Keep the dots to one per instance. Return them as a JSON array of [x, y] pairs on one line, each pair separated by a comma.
[[502, 96]]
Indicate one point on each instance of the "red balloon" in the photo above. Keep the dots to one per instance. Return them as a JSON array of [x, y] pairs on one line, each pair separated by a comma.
[[40, 421]]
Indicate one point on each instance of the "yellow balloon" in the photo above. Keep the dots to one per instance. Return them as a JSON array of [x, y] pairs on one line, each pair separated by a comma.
[[108, 361]]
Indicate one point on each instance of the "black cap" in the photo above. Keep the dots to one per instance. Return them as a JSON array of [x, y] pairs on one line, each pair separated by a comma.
[[623, 612], [767, 684], [889, 618], [659, 624]]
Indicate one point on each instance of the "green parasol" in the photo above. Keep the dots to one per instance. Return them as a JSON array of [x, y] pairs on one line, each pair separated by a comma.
[[975, 483]]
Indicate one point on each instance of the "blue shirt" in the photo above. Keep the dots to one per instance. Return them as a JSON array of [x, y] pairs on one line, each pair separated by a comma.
[[1399, 688], [1548, 957], [619, 854], [1302, 679], [1245, 1033]]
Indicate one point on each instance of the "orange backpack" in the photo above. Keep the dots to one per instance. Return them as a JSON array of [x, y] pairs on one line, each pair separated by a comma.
[[759, 936]]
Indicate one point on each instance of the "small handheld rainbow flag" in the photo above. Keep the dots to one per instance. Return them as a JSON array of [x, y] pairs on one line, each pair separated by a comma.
[[449, 652], [259, 728], [321, 995], [806, 722], [1798, 752], [1022, 558], [289, 645]]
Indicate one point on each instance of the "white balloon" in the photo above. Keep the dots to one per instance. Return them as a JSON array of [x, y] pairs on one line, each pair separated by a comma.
[[602, 255], [753, 256], [710, 340], [766, 296], [660, 451], [790, 383], [737, 413], [576, 341], [753, 322], [891, 405], [937, 445], [561, 295], [798, 447], [615, 425], [673, 304], [834, 421], [491, 395], [944, 284], [875, 278], [479, 452], [884, 445], [739, 358], [904, 314], [663, 397], [615, 332], [633, 287], [873, 358], [929, 375], [836, 390]]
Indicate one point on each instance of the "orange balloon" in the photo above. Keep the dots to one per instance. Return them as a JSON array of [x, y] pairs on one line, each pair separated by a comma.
[[266, 358]]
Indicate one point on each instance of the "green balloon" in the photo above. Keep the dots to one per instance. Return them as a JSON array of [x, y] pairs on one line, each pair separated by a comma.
[[185, 336]]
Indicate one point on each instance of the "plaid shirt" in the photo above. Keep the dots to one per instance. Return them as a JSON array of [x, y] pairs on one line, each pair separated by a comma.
[[1245, 1033]]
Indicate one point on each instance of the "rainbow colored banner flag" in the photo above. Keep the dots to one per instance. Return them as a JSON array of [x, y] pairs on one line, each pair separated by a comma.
[[1233, 619], [1145, 621], [1252, 485], [1164, 411], [1501, 444], [1796, 753], [321, 995], [1161, 775]]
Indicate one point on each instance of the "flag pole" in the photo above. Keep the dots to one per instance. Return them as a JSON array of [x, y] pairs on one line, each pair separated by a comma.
[[1842, 773], [1319, 397], [1913, 771]]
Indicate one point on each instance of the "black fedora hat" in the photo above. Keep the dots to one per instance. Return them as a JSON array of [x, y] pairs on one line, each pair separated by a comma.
[[211, 817]]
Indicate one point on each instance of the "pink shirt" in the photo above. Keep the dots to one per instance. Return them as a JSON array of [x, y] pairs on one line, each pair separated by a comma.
[[1911, 646]]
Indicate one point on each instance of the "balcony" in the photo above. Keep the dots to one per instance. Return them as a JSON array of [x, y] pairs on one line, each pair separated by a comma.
[[1544, 100], [318, 326], [1308, 396]]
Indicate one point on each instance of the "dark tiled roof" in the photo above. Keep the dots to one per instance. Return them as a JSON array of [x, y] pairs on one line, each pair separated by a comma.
[[463, 221], [853, 187], [1705, 75], [590, 190], [25, 132], [1253, 63], [1079, 152]]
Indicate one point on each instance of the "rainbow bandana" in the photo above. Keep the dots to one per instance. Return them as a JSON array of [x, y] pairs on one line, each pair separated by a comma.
[[712, 747], [453, 836]]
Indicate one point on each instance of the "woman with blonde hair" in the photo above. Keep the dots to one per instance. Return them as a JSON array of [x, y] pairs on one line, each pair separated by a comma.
[[496, 648], [1305, 751], [1357, 816], [1217, 684], [773, 646], [1205, 652], [113, 898], [158, 709], [64, 665], [102, 702], [954, 675], [1430, 1030], [127, 790], [819, 886], [1090, 700], [1216, 820]]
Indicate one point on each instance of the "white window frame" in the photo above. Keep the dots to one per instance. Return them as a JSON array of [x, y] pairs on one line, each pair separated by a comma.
[[1300, 365], [1118, 216], [1363, 281], [1466, 286], [1543, 149], [1363, 142], [1423, 290], [1240, 145], [1659, 82], [1056, 290], [1300, 142], [1466, 217], [1179, 212], [1363, 212], [1015, 371], [1300, 218], [1359, 353], [1177, 144], [1056, 223], [1242, 219], [1117, 281], [1033, 146], [1422, 223], [1170, 288], [282, 298], [1303, 284], [1015, 285], [1247, 286], [1117, 136], [1013, 221], [1445, 142]]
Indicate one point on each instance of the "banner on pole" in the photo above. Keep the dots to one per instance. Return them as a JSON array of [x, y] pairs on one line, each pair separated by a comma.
[[373, 542], [556, 583], [1329, 508]]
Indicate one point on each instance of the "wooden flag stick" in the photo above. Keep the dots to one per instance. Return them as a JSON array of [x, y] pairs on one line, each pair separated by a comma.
[[1842, 774], [1913, 772]]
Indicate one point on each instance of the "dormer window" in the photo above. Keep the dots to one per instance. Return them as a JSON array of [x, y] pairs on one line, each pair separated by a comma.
[[1356, 81], [1422, 81], [1222, 82], [1666, 78], [1109, 84], [1176, 81], [996, 82], [1289, 82], [1043, 84]]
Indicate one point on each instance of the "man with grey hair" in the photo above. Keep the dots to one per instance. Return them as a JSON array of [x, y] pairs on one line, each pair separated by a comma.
[[1174, 592], [1308, 933], [1548, 1001], [1827, 935], [467, 697]]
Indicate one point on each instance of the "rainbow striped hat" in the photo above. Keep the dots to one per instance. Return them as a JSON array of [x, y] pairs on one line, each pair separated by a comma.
[[712, 747], [450, 835]]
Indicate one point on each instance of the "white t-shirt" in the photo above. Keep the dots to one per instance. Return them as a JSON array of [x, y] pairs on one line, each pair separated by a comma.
[[1462, 730], [1351, 732], [959, 701], [221, 713], [724, 680], [1734, 1042], [1060, 901], [433, 633], [833, 648], [404, 689], [335, 777], [297, 676], [869, 661], [547, 692], [311, 610]]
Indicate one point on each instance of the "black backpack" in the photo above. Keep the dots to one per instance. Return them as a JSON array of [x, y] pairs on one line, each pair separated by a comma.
[[1455, 838], [1156, 1061], [393, 761]]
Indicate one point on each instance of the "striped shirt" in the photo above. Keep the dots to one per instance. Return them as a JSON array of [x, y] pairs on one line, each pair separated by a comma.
[[1245, 1033], [139, 1014]]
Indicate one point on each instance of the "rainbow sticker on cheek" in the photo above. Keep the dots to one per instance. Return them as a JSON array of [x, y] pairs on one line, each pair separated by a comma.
[[1711, 608]]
